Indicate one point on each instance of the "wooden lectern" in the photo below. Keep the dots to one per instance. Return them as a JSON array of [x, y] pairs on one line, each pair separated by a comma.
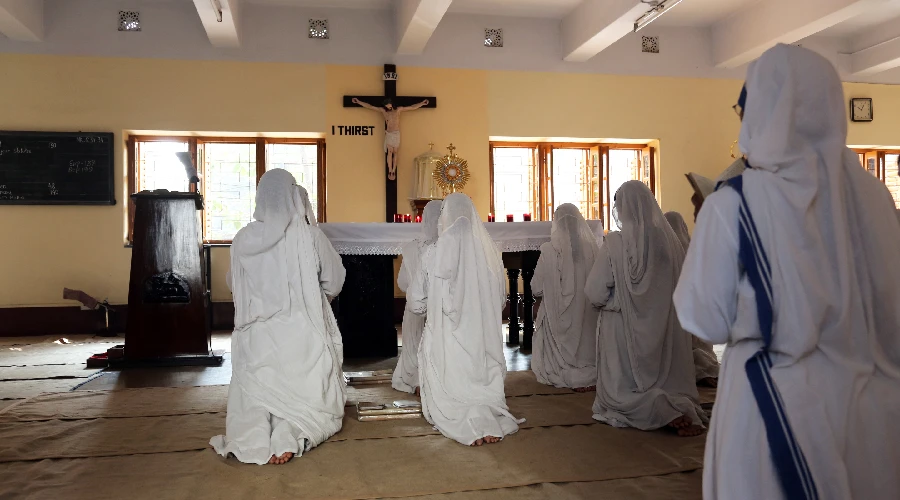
[[167, 316]]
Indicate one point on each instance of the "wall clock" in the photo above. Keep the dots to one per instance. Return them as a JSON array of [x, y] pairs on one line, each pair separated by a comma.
[[861, 110]]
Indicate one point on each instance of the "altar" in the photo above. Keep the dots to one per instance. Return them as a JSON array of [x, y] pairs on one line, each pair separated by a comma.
[[364, 309]]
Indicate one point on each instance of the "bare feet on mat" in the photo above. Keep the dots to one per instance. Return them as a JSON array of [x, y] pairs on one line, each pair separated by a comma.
[[709, 382], [283, 459], [590, 388], [685, 427], [486, 440]]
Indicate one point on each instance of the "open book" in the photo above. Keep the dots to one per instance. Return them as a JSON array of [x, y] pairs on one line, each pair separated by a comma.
[[369, 377], [704, 186], [398, 410]]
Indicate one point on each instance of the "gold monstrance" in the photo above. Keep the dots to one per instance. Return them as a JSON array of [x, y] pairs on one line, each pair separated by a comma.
[[451, 172]]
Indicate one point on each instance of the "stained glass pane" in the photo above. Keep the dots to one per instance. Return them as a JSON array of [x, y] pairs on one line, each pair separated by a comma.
[[569, 178], [892, 176], [513, 186], [230, 180], [301, 160]]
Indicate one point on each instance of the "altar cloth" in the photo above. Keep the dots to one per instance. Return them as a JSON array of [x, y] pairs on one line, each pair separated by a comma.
[[388, 238]]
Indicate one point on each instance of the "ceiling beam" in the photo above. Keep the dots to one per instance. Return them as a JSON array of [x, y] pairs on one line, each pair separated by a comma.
[[224, 34], [416, 21], [748, 33], [22, 20], [876, 59], [596, 24]]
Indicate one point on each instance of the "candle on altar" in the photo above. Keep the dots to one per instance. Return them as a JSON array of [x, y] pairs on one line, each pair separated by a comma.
[[418, 218], [407, 218], [526, 217], [490, 217], [509, 218], [398, 217]]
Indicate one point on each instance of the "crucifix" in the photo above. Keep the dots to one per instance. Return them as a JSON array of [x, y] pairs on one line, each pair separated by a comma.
[[390, 105]]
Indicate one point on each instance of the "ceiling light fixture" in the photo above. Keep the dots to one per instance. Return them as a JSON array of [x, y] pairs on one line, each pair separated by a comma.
[[218, 8], [659, 7]]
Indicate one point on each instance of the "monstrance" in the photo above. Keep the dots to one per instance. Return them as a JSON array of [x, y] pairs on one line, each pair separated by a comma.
[[451, 172]]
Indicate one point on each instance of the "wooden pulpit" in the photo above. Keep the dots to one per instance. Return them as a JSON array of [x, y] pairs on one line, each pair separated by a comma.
[[167, 295]]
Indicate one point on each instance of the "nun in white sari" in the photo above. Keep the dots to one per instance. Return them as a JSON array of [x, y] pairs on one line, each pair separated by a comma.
[[565, 336], [461, 362], [406, 375], [287, 391], [792, 265], [706, 364], [645, 367]]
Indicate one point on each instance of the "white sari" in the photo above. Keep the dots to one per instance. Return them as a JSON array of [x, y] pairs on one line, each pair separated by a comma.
[[287, 391], [706, 364], [565, 336], [461, 362], [645, 367], [406, 375], [791, 265]]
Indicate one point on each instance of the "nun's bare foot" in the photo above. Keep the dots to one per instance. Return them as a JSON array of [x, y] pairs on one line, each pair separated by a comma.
[[486, 440], [590, 388], [418, 392], [709, 382], [273, 459], [691, 431], [283, 459], [685, 427]]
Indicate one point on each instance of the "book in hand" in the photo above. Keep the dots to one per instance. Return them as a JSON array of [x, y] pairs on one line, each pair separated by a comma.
[[369, 377], [704, 186], [398, 410]]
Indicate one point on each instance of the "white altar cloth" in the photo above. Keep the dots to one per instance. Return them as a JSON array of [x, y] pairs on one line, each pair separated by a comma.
[[388, 238]]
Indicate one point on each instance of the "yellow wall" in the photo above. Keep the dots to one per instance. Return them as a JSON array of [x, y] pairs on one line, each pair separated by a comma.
[[47, 248]]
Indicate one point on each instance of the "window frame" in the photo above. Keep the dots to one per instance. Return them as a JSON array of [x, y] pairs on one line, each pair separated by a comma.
[[880, 163], [543, 196], [195, 143]]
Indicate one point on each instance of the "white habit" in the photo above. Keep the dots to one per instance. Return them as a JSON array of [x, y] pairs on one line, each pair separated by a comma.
[[461, 362], [565, 335], [287, 390], [706, 364], [645, 367], [792, 266], [406, 375]]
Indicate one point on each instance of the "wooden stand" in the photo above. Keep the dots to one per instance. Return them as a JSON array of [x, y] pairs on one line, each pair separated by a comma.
[[167, 306], [418, 205]]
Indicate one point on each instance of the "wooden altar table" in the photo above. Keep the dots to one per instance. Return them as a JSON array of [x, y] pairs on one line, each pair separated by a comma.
[[364, 309]]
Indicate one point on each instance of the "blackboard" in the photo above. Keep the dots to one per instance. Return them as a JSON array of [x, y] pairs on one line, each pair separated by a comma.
[[56, 168]]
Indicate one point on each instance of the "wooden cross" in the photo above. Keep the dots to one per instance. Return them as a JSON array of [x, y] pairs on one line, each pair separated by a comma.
[[390, 91]]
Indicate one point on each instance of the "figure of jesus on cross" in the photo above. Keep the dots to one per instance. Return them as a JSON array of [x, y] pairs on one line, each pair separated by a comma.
[[391, 128]]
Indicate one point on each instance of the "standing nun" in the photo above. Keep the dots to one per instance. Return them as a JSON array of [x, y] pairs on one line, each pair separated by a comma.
[[706, 364], [645, 367], [461, 362], [791, 265], [287, 390], [406, 375], [565, 337]]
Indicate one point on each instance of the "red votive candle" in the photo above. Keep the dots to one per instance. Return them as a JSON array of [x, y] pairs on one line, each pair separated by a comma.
[[407, 218], [398, 218], [509, 218], [490, 217], [526, 217], [418, 219]]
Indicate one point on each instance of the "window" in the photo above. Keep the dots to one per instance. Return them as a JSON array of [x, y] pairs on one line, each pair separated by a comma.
[[536, 178], [229, 169], [883, 164]]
